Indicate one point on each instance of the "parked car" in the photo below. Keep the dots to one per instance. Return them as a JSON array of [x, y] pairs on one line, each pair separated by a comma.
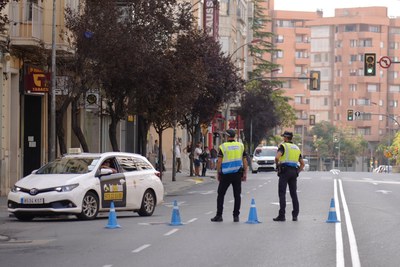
[[264, 158], [81, 185]]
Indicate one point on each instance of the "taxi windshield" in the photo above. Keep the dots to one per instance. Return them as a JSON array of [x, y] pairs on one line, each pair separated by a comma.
[[69, 165]]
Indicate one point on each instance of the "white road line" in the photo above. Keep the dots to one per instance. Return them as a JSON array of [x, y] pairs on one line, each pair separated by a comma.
[[110, 265], [141, 248], [355, 258], [192, 220], [171, 232], [209, 212], [338, 229]]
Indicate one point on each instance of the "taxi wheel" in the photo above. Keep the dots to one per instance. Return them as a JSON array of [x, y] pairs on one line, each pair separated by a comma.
[[90, 207], [24, 217], [148, 204], [253, 171]]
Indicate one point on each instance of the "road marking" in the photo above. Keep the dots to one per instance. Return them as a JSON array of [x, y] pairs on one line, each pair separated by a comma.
[[260, 186], [335, 171], [385, 192], [141, 248], [371, 180], [192, 220], [171, 232], [277, 203], [355, 258], [375, 182], [209, 212], [109, 265], [338, 229]]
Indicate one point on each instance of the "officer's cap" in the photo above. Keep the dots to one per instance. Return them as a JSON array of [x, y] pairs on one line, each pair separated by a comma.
[[230, 133], [287, 134]]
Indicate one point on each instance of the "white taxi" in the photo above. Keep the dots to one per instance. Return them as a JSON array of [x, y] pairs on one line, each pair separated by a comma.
[[83, 184]]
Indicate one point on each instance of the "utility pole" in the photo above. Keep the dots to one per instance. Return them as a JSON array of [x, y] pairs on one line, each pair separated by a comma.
[[52, 140]]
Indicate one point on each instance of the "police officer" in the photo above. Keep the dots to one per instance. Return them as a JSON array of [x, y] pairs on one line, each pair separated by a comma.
[[232, 169], [286, 159]]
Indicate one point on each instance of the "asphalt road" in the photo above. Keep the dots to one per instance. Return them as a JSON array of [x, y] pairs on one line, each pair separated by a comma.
[[367, 235]]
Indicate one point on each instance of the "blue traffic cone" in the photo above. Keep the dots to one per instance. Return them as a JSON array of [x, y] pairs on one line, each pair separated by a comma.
[[112, 218], [253, 213], [332, 213], [175, 218]]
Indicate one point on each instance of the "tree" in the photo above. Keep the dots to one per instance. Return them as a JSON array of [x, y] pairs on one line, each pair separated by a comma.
[[128, 41], [274, 107]]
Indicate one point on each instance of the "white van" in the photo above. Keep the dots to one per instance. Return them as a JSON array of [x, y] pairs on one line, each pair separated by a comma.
[[264, 158]]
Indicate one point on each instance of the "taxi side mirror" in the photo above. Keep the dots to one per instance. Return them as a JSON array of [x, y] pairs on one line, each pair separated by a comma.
[[105, 172]]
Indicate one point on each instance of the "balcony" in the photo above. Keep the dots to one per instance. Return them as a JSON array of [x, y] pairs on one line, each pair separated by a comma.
[[26, 30]]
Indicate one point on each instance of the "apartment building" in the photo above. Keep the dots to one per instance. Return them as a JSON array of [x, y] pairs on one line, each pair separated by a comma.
[[335, 46]]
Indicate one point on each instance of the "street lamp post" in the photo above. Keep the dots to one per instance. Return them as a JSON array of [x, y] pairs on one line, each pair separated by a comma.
[[52, 140]]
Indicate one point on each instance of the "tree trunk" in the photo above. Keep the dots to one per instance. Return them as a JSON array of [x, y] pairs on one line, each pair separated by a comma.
[[112, 128], [160, 156], [112, 131], [60, 131], [143, 129], [76, 127]]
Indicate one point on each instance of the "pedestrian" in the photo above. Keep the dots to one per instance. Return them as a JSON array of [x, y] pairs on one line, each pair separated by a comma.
[[156, 151], [232, 170], [204, 157], [189, 152], [196, 156], [213, 158], [287, 158], [178, 156]]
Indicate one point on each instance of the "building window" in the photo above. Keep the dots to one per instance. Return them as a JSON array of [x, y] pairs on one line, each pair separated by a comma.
[[298, 99], [353, 72], [366, 43], [364, 131], [374, 28], [353, 43], [279, 54], [279, 39], [350, 28], [394, 88], [393, 45], [393, 103], [373, 87], [352, 87], [363, 102], [365, 116], [353, 58], [30, 5]]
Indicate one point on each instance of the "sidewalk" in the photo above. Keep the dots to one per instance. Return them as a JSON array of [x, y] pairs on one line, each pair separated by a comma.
[[182, 181]]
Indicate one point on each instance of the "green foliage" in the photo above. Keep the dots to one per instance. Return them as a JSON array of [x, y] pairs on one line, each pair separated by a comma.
[[327, 139]]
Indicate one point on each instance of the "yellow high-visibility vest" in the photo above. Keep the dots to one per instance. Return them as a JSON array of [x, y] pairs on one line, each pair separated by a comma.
[[291, 155], [233, 154]]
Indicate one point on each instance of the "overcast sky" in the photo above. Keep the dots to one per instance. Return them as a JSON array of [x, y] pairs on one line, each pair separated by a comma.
[[328, 6]]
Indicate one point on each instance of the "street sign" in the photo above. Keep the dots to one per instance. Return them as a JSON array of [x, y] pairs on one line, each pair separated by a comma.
[[357, 113], [385, 62]]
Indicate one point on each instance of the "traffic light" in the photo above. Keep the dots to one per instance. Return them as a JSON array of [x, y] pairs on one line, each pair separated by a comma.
[[350, 115], [315, 80], [369, 64]]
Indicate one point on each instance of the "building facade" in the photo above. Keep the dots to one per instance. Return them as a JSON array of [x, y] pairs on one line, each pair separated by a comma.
[[336, 46]]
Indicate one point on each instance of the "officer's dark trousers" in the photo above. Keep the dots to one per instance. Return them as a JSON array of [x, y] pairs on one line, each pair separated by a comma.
[[288, 176], [227, 179]]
